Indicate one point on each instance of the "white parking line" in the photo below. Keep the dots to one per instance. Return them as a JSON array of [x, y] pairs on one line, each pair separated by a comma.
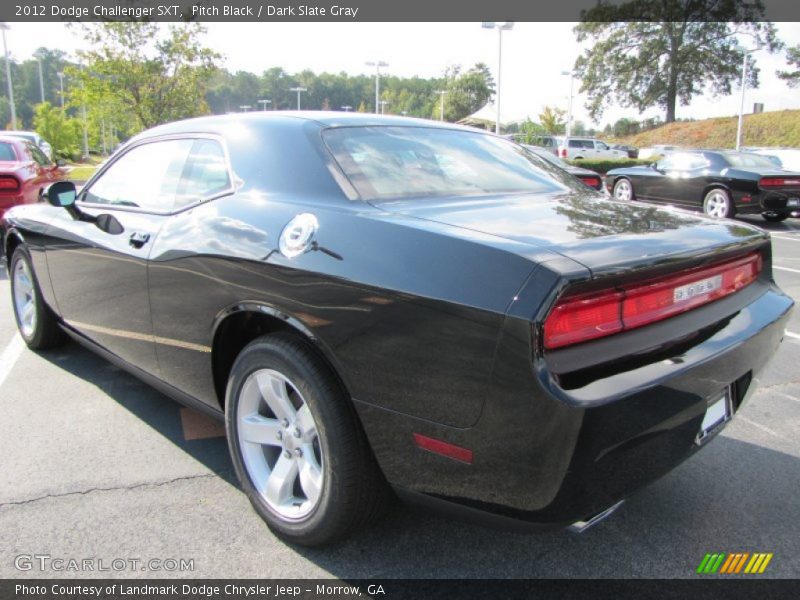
[[782, 237], [786, 269], [763, 428], [793, 335], [10, 356]]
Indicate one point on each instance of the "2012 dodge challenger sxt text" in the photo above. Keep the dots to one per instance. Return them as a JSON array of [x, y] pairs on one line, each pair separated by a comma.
[[376, 302]]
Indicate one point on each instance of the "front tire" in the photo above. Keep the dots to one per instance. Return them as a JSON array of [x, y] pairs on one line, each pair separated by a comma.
[[623, 190], [36, 322], [774, 217], [297, 446], [718, 204]]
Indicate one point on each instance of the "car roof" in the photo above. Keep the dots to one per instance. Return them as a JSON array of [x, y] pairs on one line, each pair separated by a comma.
[[287, 118]]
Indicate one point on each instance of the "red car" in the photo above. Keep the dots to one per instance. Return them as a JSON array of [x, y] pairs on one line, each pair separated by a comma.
[[24, 172]]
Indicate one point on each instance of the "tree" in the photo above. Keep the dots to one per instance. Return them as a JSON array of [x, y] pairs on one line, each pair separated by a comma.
[[793, 58], [466, 92], [646, 53], [157, 75], [552, 120], [62, 132]]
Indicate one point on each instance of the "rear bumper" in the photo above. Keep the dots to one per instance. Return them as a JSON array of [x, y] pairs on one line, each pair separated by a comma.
[[548, 457]]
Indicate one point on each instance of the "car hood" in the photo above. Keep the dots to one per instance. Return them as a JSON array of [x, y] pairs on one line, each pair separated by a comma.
[[601, 234]]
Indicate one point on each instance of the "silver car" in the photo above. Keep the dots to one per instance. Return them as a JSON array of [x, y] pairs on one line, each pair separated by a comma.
[[35, 138]]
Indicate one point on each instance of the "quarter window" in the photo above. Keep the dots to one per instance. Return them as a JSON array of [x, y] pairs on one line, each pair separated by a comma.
[[205, 175], [7, 152], [145, 177]]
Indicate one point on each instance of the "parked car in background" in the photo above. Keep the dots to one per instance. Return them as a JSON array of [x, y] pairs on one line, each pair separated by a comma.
[[720, 183], [591, 178], [34, 138], [576, 148], [657, 151], [25, 172], [370, 301], [787, 158], [548, 142], [632, 151]]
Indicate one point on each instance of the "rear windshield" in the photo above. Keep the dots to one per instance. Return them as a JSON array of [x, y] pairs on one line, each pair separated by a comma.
[[744, 159], [7, 152], [385, 163]]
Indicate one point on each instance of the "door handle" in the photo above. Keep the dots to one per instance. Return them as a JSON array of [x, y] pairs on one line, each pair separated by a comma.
[[138, 239]]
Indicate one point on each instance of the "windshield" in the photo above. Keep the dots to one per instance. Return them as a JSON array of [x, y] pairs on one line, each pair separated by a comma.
[[386, 163], [744, 159]]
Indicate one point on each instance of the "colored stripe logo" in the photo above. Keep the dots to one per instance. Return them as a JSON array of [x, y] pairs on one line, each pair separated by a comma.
[[734, 563]]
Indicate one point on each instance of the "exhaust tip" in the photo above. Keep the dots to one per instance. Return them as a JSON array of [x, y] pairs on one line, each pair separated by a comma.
[[581, 526]]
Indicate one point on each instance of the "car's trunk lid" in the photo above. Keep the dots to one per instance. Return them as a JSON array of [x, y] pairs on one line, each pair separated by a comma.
[[603, 235]]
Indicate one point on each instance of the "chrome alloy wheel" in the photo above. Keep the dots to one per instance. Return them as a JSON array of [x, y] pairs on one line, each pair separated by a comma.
[[279, 443], [717, 204], [24, 298], [623, 190]]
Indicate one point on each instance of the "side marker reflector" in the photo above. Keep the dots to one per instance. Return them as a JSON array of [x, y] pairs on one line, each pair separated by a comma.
[[439, 447]]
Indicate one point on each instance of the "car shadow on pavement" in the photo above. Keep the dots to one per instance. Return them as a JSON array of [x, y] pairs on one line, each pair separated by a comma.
[[161, 413], [731, 497], [789, 226]]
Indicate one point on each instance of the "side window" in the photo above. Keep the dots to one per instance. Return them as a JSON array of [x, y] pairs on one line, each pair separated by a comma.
[[145, 177], [7, 152], [575, 144], [600, 146], [205, 175]]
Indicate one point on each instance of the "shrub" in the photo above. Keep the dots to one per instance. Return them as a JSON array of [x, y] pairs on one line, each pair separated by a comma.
[[604, 166]]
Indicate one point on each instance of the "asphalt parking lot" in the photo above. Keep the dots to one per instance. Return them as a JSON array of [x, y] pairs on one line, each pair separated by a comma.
[[97, 465]]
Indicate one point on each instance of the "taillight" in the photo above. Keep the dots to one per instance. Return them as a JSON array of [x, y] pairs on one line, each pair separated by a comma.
[[591, 181], [769, 182], [580, 318], [9, 183], [562, 152]]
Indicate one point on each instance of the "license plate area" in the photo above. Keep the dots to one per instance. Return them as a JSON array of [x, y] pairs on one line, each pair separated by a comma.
[[718, 412]]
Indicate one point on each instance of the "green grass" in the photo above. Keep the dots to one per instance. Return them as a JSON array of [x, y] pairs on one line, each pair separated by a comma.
[[777, 128], [82, 172]]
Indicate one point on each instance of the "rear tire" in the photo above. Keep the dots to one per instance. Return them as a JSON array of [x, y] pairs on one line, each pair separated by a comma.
[[36, 322], [774, 217], [623, 190], [297, 445], [717, 204]]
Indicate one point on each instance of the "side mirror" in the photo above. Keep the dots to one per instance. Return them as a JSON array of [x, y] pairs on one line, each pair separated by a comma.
[[61, 162], [61, 193]]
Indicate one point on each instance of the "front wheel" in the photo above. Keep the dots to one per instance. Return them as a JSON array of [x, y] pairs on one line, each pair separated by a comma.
[[774, 217], [36, 322], [717, 204], [623, 190], [297, 446]]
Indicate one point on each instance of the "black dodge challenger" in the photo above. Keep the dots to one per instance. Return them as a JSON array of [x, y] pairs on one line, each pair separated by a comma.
[[376, 303], [720, 183]]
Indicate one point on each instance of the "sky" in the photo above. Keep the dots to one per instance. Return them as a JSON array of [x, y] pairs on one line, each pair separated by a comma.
[[534, 56]]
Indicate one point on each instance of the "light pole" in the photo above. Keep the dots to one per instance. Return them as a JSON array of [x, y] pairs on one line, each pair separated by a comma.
[[569, 106], [61, 84], [346, 108], [501, 26], [245, 107], [740, 126], [441, 103], [299, 91], [41, 78], [4, 26], [377, 64], [263, 102]]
